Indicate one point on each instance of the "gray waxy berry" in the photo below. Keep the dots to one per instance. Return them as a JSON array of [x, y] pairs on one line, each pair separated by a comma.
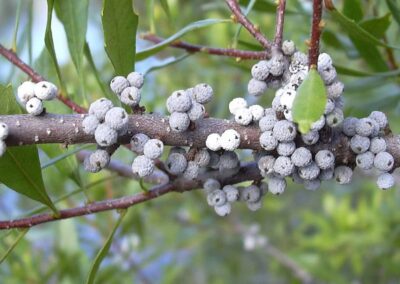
[[232, 193], [192, 170], [328, 75], [34, 106], [277, 65], [325, 159], [116, 118], [105, 135], [100, 107], [268, 141], [179, 121], [312, 184], [202, 158], [214, 160], [343, 174], [380, 118], [203, 93], [365, 127], [284, 131], [378, 144], [283, 166], [324, 61], [359, 144], [211, 184], [296, 178], [135, 79], [118, 84], [216, 198], [196, 111], [286, 148], [260, 70], [131, 96], [3, 131], [301, 157], [3, 147], [326, 174], [385, 181], [230, 140], [309, 172], [223, 210], [228, 160], [335, 118], [300, 58], [288, 47], [25, 92], [330, 106], [311, 137], [257, 112], [138, 141], [384, 161], [176, 163], [243, 116], [276, 104], [254, 206], [349, 126], [177, 149], [89, 124], [142, 166], [319, 124], [99, 158], [256, 87], [250, 193], [365, 160], [179, 101], [276, 185], [267, 122], [335, 90], [45, 90], [266, 165], [153, 149]]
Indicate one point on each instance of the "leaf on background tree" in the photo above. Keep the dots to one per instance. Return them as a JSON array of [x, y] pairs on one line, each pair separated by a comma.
[[20, 166], [353, 9], [394, 7], [12, 246], [310, 101], [165, 7], [73, 14], [104, 250], [119, 27], [191, 27]]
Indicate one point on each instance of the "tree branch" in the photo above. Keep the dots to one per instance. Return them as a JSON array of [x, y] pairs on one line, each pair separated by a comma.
[[245, 22], [280, 20], [36, 77], [316, 30], [242, 54]]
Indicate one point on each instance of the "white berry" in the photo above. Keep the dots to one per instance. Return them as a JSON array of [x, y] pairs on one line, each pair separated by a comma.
[[236, 104], [45, 90], [385, 181], [3, 131], [142, 166], [116, 118], [179, 121], [118, 84], [89, 124], [25, 92], [213, 142], [243, 116], [105, 135], [230, 140], [131, 96], [100, 107], [135, 79], [153, 149], [203, 93], [34, 106]]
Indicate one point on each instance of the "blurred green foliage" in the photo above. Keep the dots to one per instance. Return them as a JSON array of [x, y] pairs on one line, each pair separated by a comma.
[[339, 234]]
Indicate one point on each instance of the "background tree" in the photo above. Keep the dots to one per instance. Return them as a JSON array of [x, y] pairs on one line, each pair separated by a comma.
[[347, 234]]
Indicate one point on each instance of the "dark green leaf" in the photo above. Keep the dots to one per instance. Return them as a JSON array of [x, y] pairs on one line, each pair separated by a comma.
[[191, 27], [356, 73], [19, 166], [394, 6], [310, 101], [104, 250], [353, 9], [377, 26], [119, 28]]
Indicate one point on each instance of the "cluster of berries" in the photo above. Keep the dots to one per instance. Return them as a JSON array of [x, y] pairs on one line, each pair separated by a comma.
[[188, 105], [128, 89], [31, 95], [3, 137]]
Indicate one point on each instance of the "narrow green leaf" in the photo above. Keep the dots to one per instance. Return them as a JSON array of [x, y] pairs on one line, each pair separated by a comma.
[[310, 101], [48, 40], [353, 9], [119, 26], [16, 26], [191, 27], [20, 237], [357, 73], [20, 166], [165, 7], [104, 250], [249, 6], [394, 7], [355, 30], [73, 14], [377, 26]]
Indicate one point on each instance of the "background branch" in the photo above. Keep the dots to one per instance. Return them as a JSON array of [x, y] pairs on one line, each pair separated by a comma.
[[280, 21]]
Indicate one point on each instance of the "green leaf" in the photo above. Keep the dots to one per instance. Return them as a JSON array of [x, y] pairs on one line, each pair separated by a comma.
[[377, 26], [357, 73], [266, 7], [165, 7], [20, 237], [394, 7], [355, 30], [104, 250], [191, 27], [310, 101], [167, 62], [73, 14], [16, 26], [48, 40], [20, 166], [119, 27], [353, 9]]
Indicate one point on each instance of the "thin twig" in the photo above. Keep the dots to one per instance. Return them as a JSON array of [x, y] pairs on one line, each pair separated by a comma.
[[316, 30], [242, 54], [280, 20], [245, 22], [36, 77]]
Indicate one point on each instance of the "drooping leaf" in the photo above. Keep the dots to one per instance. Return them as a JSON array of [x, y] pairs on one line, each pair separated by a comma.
[[119, 27], [310, 101], [394, 6], [353, 9], [191, 27], [20, 166], [104, 250], [74, 16]]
